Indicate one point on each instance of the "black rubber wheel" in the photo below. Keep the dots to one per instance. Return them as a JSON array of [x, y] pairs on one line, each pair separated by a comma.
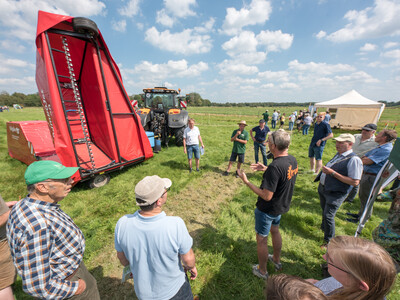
[[99, 181], [179, 136], [84, 25]]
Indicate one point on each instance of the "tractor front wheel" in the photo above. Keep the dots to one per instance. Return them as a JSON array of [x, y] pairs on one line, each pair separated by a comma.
[[99, 181], [179, 136]]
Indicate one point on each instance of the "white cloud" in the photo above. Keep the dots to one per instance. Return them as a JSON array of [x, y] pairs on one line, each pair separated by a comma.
[[392, 54], [368, 47], [359, 76], [12, 66], [186, 42], [320, 34], [13, 46], [20, 17], [24, 82], [275, 40], [228, 67], [288, 85], [244, 42], [390, 45], [119, 26], [378, 21], [164, 19], [173, 10], [131, 9], [206, 26], [319, 68], [280, 76], [257, 12], [267, 86]]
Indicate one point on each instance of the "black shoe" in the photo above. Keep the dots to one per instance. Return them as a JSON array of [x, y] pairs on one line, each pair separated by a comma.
[[355, 216], [197, 170], [226, 173], [355, 221], [190, 170], [236, 175]]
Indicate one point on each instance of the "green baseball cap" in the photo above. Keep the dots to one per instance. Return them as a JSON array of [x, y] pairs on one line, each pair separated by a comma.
[[47, 169]]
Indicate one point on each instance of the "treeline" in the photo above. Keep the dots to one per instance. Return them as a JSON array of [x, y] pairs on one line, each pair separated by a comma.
[[194, 99]]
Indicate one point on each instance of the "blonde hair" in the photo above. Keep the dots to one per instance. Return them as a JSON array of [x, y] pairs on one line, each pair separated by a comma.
[[289, 287], [365, 261]]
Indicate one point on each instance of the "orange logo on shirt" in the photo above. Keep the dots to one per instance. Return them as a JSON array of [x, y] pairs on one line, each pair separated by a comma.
[[291, 172]]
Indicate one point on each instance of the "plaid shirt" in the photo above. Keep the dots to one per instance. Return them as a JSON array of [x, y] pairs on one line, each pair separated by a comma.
[[46, 247]]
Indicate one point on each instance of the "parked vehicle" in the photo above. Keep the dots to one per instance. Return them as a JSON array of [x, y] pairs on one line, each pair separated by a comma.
[[162, 114]]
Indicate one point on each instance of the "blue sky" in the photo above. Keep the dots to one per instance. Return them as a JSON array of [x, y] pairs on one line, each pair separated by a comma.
[[227, 50]]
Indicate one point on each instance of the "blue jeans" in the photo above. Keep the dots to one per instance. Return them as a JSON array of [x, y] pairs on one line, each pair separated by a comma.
[[273, 123], [330, 203], [305, 129], [291, 124], [263, 148], [185, 292], [265, 221]]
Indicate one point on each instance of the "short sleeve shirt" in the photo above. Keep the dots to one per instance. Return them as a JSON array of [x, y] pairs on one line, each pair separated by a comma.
[[354, 167], [362, 147], [279, 178], [266, 116], [261, 134], [379, 156], [238, 147], [191, 135], [321, 130]]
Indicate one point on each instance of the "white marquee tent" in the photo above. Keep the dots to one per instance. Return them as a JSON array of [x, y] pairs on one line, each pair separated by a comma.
[[352, 111]]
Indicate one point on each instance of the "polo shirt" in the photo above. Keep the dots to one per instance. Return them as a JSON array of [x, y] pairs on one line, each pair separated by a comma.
[[321, 131], [362, 147], [261, 134]]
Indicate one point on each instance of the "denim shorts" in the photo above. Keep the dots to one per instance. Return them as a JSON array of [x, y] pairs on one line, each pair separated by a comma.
[[193, 149], [239, 156], [265, 221], [314, 151]]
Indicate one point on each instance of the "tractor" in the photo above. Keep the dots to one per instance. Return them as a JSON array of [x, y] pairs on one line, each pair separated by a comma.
[[163, 114]]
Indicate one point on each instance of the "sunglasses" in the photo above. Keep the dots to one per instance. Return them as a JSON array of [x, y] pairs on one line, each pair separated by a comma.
[[272, 139], [329, 263]]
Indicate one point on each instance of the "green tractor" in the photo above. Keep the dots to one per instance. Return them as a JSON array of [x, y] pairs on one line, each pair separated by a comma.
[[163, 113]]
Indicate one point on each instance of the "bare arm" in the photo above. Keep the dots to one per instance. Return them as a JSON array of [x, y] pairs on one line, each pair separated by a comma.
[[184, 145], [329, 136], [366, 161], [4, 218], [122, 259], [189, 263], [340, 177], [201, 141], [263, 193], [251, 134]]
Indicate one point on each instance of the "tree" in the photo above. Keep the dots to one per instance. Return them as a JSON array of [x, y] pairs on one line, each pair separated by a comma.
[[194, 99]]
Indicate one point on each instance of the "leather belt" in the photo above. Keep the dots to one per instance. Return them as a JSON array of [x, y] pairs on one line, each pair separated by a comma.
[[368, 173]]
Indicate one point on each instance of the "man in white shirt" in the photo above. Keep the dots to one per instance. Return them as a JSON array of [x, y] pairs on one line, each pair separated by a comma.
[[191, 139]]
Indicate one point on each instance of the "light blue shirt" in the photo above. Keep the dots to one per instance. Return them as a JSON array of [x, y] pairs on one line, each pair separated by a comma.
[[379, 156], [153, 246], [354, 167]]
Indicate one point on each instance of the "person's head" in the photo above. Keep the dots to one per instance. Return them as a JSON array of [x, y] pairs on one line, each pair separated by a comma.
[[242, 124], [261, 123], [151, 192], [289, 287], [320, 117], [385, 136], [266, 110], [48, 180], [191, 123], [368, 131], [364, 268], [344, 142], [278, 141], [327, 112]]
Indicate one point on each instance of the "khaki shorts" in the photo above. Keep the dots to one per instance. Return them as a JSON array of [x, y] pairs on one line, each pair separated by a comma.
[[7, 269]]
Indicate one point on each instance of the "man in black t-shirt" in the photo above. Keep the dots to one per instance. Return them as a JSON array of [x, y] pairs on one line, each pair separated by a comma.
[[274, 197]]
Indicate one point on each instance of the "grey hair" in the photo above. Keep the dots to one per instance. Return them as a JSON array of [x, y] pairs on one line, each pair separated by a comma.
[[31, 188], [281, 139]]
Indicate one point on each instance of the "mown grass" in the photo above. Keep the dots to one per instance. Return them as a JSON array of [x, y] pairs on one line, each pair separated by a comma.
[[217, 210]]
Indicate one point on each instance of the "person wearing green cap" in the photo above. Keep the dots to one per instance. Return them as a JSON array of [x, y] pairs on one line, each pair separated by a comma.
[[46, 245]]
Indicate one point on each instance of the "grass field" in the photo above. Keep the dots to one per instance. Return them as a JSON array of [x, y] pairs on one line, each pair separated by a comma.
[[218, 210]]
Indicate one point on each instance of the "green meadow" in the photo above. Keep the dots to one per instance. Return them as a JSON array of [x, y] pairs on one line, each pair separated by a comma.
[[217, 210]]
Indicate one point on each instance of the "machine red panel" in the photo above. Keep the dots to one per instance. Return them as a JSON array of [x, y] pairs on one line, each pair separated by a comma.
[[90, 117]]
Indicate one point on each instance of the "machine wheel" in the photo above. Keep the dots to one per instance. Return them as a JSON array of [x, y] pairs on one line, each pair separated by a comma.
[[99, 181], [84, 25], [179, 136]]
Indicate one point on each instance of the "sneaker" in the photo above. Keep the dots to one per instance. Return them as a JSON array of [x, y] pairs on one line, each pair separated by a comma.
[[197, 170], [236, 174], [256, 271], [190, 170], [278, 266], [355, 216], [226, 173]]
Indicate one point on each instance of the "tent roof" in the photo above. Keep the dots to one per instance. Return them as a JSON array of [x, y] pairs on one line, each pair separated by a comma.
[[351, 99]]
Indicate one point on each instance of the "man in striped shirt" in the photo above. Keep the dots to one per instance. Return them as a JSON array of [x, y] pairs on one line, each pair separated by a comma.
[[46, 245]]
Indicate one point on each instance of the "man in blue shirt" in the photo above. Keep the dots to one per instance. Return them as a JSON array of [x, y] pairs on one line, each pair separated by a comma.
[[260, 141], [322, 133], [157, 247], [373, 161]]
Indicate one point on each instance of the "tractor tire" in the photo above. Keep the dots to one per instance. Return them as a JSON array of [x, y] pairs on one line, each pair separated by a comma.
[[99, 181], [179, 136], [84, 25]]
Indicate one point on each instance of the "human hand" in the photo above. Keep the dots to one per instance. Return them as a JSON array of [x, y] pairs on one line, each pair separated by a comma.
[[202, 146], [242, 175], [318, 143], [258, 167], [327, 170], [184, 150], [193, 273], [10, 204], [313, 281], [81, 286]]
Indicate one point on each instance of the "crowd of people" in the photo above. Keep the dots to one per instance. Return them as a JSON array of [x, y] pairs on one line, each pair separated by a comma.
[[46, 248]]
